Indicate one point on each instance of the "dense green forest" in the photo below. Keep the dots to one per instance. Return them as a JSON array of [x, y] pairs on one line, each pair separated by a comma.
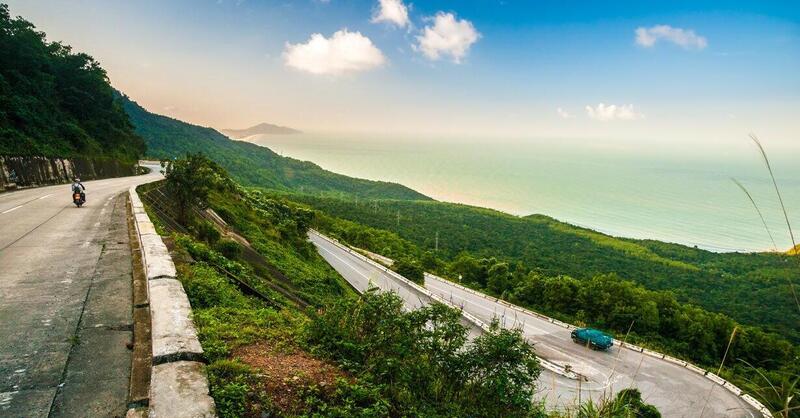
[[251, 164], [751, 288], [56, 102]]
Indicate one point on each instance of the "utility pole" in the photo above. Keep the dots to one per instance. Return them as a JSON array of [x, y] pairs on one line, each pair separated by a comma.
[[436, 248], [398, 219]]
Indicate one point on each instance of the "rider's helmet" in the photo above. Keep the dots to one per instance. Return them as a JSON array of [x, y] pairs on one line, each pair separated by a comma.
[[77, 180]]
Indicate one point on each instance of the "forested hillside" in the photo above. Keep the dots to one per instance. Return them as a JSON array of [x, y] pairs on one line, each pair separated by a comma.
[[751, 288], [250, 164], [342, 355], [56, 102]]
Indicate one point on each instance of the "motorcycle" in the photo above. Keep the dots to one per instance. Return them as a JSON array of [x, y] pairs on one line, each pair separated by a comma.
[[78, 199]]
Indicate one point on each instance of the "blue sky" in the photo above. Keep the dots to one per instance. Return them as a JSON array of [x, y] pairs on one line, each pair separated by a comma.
[[501, 68]]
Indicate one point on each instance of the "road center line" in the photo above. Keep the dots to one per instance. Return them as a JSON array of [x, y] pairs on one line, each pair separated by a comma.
[[12, 209]]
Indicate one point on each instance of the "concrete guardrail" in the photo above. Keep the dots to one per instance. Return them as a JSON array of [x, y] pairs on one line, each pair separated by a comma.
[[553, 367], [710, 376], [178, 383]]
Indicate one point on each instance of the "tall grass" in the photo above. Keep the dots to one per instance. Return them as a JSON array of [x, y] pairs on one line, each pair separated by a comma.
[[775, 184], [793, 251], [780, 394], [760, 215]]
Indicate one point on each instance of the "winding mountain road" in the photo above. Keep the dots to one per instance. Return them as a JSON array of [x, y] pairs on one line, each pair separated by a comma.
[[673, 389], [65, 300]]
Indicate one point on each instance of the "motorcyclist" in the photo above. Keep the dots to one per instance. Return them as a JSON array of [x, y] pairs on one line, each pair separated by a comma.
[[78, 187]]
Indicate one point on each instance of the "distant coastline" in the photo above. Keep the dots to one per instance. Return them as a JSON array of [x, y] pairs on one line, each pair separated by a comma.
[[260, 129]]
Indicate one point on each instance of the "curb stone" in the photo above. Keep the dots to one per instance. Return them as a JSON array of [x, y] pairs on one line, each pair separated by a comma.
[[178, 383]]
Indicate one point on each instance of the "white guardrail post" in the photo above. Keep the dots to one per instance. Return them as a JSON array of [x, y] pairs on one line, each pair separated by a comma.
[[178, 384], [550, 365]]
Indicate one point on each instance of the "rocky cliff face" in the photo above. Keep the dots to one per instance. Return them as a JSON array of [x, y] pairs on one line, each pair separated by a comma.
[[22, 172]]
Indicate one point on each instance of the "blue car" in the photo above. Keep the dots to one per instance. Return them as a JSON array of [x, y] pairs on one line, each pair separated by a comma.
[[594, 339]]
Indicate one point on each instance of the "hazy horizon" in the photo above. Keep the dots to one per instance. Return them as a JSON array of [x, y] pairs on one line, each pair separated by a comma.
[[684, 196]]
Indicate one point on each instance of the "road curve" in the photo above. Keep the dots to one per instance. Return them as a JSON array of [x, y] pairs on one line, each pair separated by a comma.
[[65, 307], [674, 390]]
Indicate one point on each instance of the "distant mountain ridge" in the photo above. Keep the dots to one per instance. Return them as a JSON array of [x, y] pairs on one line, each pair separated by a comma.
[[251, 164], [260, 129]]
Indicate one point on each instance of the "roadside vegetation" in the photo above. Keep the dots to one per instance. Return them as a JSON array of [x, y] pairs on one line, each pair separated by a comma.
[[336, 354]]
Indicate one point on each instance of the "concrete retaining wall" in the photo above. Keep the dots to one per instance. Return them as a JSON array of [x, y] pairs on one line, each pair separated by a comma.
[[178, 384], [23, 172]]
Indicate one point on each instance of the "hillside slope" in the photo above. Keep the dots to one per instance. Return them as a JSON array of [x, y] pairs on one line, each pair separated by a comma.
[[55, 102], [250, 164]]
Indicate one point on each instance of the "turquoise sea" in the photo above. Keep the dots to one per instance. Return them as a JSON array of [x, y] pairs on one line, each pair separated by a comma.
[[676, 192]]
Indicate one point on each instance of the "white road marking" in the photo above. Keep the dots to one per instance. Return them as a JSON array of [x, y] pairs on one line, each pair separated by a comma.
[[45, 196], [12, 209], [345, 263]]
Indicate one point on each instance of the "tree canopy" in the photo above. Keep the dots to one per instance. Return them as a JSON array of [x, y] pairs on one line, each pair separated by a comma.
[[56, 102]]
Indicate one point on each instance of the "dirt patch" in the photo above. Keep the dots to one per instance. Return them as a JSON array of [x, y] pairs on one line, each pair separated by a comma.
[[286, 376]]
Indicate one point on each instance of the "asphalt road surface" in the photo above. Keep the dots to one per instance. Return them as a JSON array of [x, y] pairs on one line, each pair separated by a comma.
[[65, 300], [674, 390]]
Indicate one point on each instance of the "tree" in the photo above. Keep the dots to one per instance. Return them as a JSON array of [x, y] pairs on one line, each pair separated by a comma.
[[410, 270], [503, 369], [189, 181]]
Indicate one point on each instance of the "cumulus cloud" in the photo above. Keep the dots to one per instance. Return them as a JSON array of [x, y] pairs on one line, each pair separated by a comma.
[[564, 114], [344, 52], [447, 36], [391, 11], [685, 38], [603, 112]]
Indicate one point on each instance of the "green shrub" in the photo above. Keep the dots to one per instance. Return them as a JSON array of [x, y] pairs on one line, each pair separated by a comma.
[[421, 361], [228, 248], [410, 270], [347, 400], [207, 288], [207, 232], [228, 384], [502, 369]]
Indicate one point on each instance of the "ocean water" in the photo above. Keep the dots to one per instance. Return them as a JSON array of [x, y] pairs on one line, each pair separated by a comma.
[[675, 192]]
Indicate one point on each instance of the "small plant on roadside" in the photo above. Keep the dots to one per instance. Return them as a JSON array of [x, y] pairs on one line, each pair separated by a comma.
[[410, 270]]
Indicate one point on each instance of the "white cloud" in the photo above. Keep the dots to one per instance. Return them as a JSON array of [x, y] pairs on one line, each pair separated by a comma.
[[685, 38], [564, 114], [447, 36], [344, 52], [603, 112], [391, 11]]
